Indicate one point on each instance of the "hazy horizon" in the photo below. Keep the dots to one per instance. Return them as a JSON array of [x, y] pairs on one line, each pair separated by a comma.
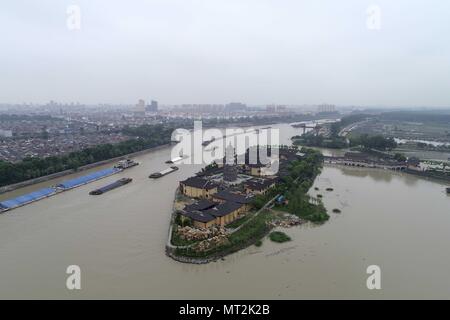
[[257, 52]]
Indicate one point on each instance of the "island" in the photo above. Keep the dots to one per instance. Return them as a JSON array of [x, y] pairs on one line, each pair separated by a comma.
[[227, 207]]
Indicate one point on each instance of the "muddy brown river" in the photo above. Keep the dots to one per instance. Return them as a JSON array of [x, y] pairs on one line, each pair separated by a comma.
[[396, 221]]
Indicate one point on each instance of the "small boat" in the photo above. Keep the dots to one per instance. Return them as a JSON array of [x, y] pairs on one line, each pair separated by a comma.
[[125, 164], [448, 190], [160, 174], [109, 187]]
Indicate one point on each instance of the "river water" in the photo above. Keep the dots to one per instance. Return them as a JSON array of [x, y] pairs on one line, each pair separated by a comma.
[[396, 221]]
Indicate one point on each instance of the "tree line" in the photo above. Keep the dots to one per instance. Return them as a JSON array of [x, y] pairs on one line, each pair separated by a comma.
[[141, 138], [336, 127], [312, 140], [377, 142], [295, 185]]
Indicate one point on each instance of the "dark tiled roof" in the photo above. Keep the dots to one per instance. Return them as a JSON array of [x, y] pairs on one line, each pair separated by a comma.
[[197, 182], [198, 216], [224, 209], [200, 205], [231, 196], [259, 184]]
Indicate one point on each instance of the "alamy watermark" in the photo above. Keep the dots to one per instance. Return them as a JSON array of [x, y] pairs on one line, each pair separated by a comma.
[[373, 21], [73, 21], [73, 281], [374, 280], [233, 146]]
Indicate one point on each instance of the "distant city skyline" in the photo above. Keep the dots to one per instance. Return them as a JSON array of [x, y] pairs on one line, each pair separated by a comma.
[[264, 106], [257, 52]]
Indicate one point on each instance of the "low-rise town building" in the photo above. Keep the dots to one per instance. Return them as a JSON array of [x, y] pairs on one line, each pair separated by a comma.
[[205, 213], [259, 186], [200, 219], [219, 201]]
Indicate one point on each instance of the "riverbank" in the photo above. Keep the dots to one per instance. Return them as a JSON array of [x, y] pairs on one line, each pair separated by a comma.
[[118, 241], [429, 175], [209, 245], [172, 253], [423, 174], [185, 254], [30, 182]]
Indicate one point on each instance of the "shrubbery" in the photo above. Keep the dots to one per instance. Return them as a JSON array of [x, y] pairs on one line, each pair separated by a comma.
[[280, 237]]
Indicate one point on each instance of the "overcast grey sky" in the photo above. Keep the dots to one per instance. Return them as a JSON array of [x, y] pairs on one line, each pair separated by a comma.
[[216, 51]]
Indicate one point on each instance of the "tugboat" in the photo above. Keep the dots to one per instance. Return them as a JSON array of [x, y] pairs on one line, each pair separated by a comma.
[[111, 186], [126, 164], [160, 174]]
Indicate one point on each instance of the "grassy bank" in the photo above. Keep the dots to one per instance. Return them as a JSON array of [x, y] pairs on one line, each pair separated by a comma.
[[278, 236], [295, 186]]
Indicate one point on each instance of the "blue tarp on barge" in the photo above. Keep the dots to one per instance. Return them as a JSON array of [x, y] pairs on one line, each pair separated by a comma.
[[26, 198], [87, 178]]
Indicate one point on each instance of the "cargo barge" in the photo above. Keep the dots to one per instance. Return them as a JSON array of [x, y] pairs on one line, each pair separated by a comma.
[[112, 186], [66, 185], [26, 199], [160, 174], [80, 181]]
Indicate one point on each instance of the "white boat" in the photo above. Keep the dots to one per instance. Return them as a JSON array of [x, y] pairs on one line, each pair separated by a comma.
[[125, 164]]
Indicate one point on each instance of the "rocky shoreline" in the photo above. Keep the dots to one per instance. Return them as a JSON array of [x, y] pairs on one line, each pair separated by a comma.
[[286, 222], [170, 252]]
